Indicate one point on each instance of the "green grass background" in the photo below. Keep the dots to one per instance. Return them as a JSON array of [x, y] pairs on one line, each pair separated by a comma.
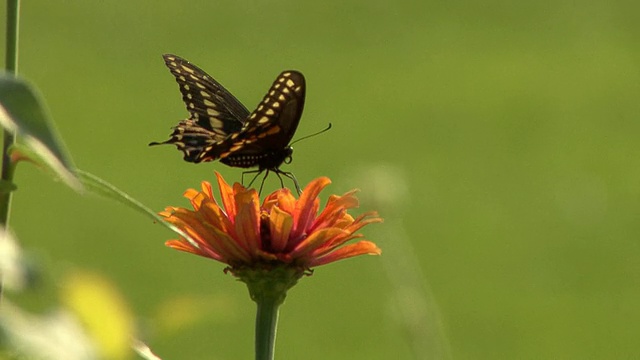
[[499, 140]]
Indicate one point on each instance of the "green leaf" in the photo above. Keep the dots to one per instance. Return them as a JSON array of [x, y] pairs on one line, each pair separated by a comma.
[[98, 186], [23, 112]]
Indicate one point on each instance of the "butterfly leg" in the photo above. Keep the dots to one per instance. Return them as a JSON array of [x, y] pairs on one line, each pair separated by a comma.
[[257, 172], [262, 183], [290, 176]]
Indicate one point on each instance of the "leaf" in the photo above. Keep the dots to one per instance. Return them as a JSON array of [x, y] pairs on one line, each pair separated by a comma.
[[23, 112]]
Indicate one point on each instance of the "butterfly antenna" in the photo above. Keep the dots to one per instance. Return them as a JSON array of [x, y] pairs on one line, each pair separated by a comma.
[[314, 134]]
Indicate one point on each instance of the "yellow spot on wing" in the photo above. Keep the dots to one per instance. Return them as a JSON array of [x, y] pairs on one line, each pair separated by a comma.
[[209, 103], [205, 94], [215, 123], [290, 83], [187, 69], [212, 112]]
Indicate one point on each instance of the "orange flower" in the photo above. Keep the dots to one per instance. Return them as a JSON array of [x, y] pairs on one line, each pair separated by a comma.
[[284, 231]]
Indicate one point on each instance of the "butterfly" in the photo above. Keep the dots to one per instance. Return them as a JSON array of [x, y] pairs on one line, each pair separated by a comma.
[[220, 128]]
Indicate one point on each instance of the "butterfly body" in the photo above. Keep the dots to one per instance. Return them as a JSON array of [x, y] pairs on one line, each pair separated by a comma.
[[221, 128]]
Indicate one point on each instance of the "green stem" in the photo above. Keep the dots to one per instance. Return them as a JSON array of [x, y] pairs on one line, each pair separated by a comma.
[[9, 138], [266, 325], [11, 67]]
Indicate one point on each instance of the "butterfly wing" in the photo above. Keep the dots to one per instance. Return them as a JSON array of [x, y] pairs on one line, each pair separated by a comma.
[[214, 112], [210, 105], [272, 125]]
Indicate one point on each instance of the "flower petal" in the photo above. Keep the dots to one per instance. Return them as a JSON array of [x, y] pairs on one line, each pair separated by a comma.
[[215, 216], [194, 197], [226, 194], [280, 225], [306, 207], [187, 247], [286, 201], [316, 240], [360, 248], [335, 208], [206, 188], [208, 238], [247, 221]]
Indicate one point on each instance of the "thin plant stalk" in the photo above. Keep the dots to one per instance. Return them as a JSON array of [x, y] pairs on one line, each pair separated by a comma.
[[9, 138], [11, 67]]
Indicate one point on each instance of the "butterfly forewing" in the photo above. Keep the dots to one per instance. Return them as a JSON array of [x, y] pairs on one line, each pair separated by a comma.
[[210, 105], [272, 125]]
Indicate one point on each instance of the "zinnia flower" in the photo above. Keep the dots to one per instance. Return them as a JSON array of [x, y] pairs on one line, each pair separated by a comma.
[[282, 232]]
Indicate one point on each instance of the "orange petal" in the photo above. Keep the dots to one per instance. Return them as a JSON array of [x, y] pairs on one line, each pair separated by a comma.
[[306, 208], [316, 240], [228, 247], [206, 188], [186, 247], [212, 214], [208, 238], [359, 248], [280, 224], [335, 210], [247, 221], [364, 219], [286, 201], [226, 194]]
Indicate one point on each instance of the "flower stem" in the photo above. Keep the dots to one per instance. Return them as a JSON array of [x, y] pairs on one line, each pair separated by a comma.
[[11, 67], [266, 326]]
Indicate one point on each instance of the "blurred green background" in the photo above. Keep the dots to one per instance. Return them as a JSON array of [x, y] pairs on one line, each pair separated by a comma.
[[498, 139]]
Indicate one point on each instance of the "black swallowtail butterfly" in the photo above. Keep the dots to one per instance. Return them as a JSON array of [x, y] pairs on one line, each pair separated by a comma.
[[220, 127]]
